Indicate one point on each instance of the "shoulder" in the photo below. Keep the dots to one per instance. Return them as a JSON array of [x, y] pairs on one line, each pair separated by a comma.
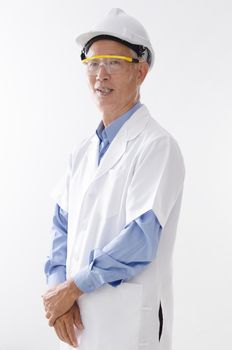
[[81, 145], [154, 131], [155, 139], [78, 150]]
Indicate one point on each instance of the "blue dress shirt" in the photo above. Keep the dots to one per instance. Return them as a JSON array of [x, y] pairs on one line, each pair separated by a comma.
[[124, 256]]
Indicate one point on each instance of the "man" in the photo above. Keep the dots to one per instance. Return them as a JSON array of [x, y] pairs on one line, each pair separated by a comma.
[[110, 266]]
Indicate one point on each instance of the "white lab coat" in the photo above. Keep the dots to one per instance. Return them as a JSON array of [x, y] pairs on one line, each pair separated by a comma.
[[142, 169]]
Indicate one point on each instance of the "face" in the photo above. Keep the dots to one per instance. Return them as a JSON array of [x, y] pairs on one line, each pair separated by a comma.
[[124, 88]]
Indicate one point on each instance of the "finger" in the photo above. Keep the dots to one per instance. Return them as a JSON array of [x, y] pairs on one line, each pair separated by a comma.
[[45, 297], [53, 317], [52, 320], [65, 334], [71, 331], [79, 324], [57, 330], [61, 333], [48, 315], [46, 303], [77, 319]]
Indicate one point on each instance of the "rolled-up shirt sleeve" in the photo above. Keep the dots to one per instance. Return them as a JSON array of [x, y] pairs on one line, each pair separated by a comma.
[[124, 257], [55, 265], [120, 260]]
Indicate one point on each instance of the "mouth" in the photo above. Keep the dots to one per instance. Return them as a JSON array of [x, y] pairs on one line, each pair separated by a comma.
[[103, 91]]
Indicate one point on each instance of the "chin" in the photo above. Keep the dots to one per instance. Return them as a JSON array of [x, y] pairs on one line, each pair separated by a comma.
[[104, 105]]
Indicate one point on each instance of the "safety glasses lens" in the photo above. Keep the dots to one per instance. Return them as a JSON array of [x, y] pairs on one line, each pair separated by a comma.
[[111, 65]]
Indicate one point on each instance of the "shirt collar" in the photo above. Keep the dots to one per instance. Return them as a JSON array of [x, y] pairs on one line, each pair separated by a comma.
[[111, 130]]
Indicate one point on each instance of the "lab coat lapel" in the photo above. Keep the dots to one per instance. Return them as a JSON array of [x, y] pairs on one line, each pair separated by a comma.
[[130, 129]]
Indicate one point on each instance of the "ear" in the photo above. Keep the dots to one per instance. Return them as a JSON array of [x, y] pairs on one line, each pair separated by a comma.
[[142, 71]]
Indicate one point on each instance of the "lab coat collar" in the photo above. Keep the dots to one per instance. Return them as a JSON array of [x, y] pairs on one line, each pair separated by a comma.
[[130, 129], [112, 129]]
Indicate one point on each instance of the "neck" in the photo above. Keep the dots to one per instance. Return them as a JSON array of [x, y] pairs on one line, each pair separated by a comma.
[[110, 115]]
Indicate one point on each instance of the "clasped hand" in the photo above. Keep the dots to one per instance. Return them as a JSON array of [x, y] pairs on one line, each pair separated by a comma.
[[62, 310]]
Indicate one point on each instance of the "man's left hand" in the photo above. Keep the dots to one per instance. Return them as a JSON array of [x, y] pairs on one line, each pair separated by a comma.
[[60, 299]]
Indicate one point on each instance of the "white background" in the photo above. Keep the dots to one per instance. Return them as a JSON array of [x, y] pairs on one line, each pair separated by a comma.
[[46, 108]]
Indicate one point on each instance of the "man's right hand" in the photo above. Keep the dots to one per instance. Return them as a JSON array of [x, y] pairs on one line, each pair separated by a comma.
[[65, 325]]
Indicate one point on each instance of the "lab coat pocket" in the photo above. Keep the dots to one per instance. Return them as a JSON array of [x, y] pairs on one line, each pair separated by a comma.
[[151, 326], [111, 317]]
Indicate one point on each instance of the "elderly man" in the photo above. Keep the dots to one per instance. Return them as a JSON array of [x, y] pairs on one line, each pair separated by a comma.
[[110, 266]]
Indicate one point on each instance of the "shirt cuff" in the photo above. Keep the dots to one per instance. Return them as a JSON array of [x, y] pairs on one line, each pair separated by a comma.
[[88, 280], [57, 276]]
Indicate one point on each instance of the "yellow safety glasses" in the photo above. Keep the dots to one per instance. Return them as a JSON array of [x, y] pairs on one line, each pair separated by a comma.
[[113, 64]]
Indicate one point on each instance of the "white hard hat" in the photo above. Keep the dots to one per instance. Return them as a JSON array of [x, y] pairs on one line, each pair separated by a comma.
[[120, 25]]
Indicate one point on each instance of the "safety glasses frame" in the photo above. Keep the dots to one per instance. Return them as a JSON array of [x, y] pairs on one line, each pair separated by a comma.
[[125, 58]]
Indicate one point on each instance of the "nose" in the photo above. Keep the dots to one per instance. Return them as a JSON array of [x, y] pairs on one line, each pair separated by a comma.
[[102, 73]]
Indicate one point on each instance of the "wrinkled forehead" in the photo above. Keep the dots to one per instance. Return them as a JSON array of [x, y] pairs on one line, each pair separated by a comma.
[[108, 47]]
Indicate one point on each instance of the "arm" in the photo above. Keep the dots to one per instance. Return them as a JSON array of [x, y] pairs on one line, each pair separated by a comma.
[[120, 260], [55, 270], [55, 266], [124, 257]]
